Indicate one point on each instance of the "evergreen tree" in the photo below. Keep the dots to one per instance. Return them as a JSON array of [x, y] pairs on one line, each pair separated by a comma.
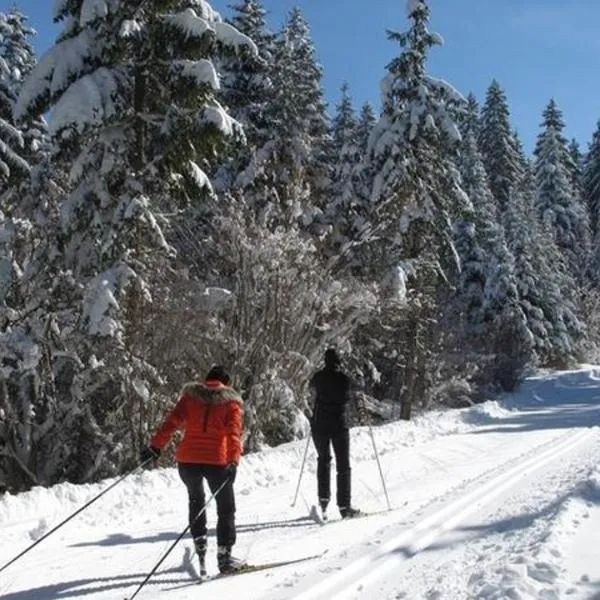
[[556, 201], [591, 183], [470, 122], [246, 90], [415, 192], [136, 123], [344, 125], [18, 143], [498, 147], [576, 168], [29, 434], [487, 282], [486, 295], [345, 147], [353, 219], [366, 122], [415, 188], [299, 169], [42, 430], [545, 287], [284, 170], [344, 158]]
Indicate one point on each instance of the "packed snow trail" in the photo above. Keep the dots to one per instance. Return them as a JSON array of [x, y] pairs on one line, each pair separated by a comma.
[[476, 499], [491, 502]]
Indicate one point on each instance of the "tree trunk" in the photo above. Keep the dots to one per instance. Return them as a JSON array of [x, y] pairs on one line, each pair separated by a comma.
[[139, 98], [412, 370]]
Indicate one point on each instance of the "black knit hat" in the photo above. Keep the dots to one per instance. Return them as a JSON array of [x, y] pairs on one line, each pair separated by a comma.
[[219, 373], [331, 358]]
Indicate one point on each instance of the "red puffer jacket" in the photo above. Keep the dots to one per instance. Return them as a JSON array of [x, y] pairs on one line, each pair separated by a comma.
[[210, 414]]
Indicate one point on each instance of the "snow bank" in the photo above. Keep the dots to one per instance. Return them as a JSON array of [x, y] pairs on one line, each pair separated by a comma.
[[271, 467], [261, 469]]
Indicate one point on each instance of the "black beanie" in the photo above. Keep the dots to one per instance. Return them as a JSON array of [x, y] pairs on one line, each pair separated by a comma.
[[220, 374]]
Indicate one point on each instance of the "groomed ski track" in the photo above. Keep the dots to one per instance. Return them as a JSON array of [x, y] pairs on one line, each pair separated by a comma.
[[442, 520], [486, 505]]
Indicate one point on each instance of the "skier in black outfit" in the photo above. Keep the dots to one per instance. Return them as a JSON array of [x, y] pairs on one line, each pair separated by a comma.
[[329, 427]]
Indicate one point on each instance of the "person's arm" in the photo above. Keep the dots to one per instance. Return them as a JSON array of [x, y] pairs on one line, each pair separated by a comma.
[[234, 433], [175, 419]]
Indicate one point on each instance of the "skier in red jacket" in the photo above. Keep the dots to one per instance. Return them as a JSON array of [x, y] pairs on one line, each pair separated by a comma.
[[210, 415]]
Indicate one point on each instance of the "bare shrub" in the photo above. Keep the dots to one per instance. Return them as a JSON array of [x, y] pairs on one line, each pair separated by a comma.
[[268, 313]]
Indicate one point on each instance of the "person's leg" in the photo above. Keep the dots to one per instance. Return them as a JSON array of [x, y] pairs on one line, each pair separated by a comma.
[[193, 477], [225, 500], [321, 440], [341, 448]]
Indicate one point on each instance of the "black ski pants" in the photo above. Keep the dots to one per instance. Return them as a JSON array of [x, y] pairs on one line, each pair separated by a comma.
[[193, 476], [324, 439]]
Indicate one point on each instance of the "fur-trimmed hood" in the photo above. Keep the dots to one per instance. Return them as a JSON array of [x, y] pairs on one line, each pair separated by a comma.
[[211, 395]]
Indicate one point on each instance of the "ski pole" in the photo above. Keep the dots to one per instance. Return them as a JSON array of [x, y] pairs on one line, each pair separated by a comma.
[[79, 510], [164, 556], [301, 469], [379, 465]]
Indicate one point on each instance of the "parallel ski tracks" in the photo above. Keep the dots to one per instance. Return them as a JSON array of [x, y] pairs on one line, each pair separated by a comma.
[[441, 517]]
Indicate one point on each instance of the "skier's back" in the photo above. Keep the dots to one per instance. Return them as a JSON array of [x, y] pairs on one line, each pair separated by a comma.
[[210, 414], [329, 427]]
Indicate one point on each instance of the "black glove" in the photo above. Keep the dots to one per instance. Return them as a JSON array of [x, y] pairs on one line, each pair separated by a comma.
[[151, 453], [231, 470]]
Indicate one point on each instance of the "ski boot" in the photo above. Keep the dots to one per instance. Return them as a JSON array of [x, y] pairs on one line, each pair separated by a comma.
[[227, 563], [347, 512], [200, 544], [324, 502]]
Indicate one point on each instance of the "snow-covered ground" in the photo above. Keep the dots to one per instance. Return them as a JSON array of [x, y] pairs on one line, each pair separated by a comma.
[[498, 501]]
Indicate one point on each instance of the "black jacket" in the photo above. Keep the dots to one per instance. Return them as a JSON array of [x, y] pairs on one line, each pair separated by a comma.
[[332, 394]]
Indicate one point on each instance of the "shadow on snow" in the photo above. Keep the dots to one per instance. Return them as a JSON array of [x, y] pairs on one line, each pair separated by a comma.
[[80, 588], [119, 539], [587, 492]]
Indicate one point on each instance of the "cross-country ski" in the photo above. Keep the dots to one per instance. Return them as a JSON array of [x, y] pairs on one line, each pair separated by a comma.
[[249, 568]]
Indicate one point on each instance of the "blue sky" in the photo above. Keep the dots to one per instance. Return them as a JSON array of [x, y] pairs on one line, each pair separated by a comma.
[[537, 49]]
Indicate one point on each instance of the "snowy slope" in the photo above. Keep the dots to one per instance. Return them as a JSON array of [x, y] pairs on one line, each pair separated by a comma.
[[498, 501]]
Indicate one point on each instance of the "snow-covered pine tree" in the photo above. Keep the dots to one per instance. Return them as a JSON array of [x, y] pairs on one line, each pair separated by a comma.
[[591, 183], [557, 203], [19, 143], [136, 123], [354, 223], [470, 121], [485, 243], [344, 138], [486, 296], [20, 148], [415, 192], [545, 285], [366, 122], [345, 157], [299, 125], [30, 422], [40, 419], [246, 91], [498, 147], [576, 168], [415, 183]]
